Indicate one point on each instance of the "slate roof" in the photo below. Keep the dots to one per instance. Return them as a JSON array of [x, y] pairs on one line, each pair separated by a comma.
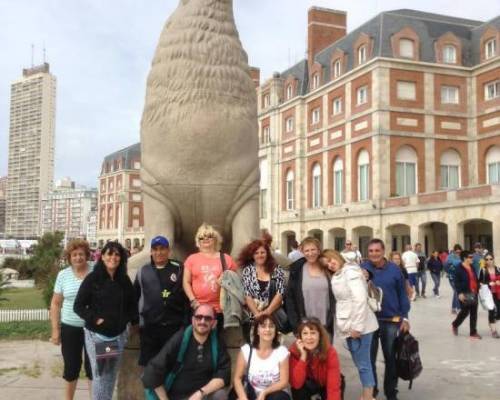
[[128, 154], [428, 26]]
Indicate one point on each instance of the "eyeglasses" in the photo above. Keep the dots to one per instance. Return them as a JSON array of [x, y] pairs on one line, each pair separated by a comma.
[[206, 237], [348, 244], [199, 353], [200, 318]]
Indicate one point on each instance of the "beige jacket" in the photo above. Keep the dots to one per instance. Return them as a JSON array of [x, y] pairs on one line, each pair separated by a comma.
[[352, 311]]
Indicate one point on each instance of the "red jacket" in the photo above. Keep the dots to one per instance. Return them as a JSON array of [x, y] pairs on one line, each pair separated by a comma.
[[326, 373]]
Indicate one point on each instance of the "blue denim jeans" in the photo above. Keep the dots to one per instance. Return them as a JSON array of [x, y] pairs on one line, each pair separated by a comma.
[[387, 333], [436, 278], [455, 303], [421, 276], [360, 352]]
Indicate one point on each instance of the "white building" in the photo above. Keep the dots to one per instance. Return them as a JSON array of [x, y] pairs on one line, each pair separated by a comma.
[[31, 149], [67, 209]]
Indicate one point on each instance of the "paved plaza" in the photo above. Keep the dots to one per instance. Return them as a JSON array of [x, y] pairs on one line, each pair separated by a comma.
[[455, 368]]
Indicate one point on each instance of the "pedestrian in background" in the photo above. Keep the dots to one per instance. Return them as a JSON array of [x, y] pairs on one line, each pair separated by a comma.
[[295, 254], [467, 285], [395, 257], [410, 261], [490, 276], [435, 267], [421, 281], [452, 263]]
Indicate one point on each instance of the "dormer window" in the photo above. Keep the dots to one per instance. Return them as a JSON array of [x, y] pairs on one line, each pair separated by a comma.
[[406, 48], [361, 54], [490, 48], [289, 92], [315, 81], [337, 68], [267, 100], [449, 54]]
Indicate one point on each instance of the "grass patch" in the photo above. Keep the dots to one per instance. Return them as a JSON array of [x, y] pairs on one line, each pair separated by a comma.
[[22, 298], [5, 371], [32, 371], [25, 330]]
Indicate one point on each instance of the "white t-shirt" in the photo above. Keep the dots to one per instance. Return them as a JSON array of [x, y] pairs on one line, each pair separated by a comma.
[[264, 372], [410, 261]]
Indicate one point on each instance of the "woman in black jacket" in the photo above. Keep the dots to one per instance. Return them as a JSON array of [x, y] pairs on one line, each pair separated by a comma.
[[106, 301], [490, 276], [467, 286], [309, 292]]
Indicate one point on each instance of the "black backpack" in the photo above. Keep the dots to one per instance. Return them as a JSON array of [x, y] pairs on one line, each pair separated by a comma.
[[408, 362]]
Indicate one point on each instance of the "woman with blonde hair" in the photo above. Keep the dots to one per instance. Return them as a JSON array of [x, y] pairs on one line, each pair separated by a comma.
[[395, 257], [354, 319], [314, 364], [309, 292], [203, 270], [67, 327]]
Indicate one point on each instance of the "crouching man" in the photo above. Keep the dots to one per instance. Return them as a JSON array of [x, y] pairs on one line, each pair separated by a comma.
[[193, 365]]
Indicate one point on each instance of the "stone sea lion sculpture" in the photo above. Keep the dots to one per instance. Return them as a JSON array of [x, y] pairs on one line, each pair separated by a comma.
[[198, 141], [199, 130]]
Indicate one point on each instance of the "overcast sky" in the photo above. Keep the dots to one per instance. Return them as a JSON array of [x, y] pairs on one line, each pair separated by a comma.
[[101, 50]]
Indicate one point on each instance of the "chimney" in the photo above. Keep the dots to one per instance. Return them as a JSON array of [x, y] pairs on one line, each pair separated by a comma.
[[325, 26], [255, 75]]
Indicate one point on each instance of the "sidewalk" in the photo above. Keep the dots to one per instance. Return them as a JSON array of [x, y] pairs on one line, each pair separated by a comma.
[[455, 368]]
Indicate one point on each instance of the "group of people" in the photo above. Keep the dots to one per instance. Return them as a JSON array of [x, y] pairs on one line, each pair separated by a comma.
[[181, 309]]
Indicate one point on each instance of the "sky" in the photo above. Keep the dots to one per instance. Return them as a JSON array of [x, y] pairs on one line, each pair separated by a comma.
[[101, 51]]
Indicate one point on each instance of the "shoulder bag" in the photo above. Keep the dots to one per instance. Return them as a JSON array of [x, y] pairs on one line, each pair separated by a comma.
[[247, 386]]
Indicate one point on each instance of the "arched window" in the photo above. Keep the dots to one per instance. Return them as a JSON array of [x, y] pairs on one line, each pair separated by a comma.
[[450, 169], [449, 54], [316, 186], [493, 165], [315, 81], [406, 171], [363, 175], [289, 92], [337, 68], [406, 48], [290, 190], [338, 180]]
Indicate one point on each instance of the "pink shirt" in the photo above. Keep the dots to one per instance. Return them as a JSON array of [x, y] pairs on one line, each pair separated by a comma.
[[205, 272]]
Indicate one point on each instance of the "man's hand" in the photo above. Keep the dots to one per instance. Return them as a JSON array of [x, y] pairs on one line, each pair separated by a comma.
[[99, 321], [405, 326], [461, 297], [355, 334], [196, 396]]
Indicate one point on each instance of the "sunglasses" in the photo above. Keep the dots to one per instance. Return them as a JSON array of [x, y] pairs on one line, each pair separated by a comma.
[[200, 318], [206, 237], [348, 244], [471, 257]]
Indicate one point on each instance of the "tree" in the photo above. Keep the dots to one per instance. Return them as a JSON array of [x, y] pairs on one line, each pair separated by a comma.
[[45, 259], [3, 285]]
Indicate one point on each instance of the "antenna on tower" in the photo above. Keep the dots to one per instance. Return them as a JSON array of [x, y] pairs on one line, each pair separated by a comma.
[[32, 55]]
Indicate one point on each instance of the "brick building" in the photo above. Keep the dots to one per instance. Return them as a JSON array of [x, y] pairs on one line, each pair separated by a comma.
[[390, 131], [120, 208]]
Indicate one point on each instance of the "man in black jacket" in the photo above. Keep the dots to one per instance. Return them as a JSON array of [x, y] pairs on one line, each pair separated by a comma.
[[196, 378], [163, 305]]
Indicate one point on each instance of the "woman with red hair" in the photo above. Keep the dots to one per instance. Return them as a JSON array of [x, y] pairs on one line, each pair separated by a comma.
[[263, 279]]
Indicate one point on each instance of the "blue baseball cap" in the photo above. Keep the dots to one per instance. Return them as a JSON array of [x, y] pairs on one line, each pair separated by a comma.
[[160, 241]]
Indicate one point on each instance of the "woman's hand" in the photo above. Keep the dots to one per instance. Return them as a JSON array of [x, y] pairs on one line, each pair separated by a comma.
[[56, 339], [262, 395], [99, 321], [355, 334], [461, 297], [302, 349]]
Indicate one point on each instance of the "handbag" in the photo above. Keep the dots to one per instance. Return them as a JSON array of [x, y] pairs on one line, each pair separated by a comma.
[[247, 387], [486, 298], [107, 350], [470, 299], [280, 316]]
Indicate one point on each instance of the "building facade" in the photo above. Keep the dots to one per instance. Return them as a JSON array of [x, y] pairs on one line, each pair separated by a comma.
[[92, 227], [31, 149], [66, 209], [120, 209], [390, 131], [3, 195]]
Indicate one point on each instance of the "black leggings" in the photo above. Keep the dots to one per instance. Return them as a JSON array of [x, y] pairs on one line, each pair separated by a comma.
[[279, 395], [494, 314], [72, 346]]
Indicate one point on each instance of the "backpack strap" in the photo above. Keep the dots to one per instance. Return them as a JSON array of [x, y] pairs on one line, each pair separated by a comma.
[[186, 337], [223, 261], [214, 346]]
